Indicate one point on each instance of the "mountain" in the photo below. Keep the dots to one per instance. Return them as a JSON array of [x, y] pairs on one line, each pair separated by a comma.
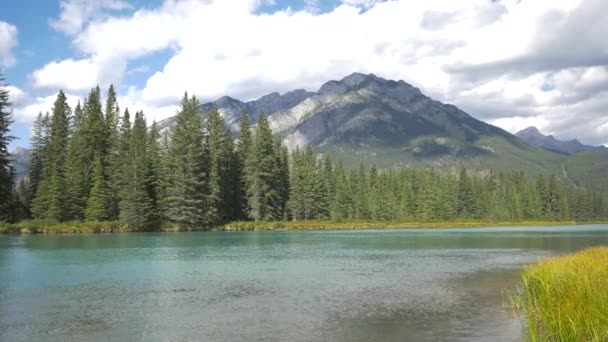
[[533, 136], [21, 158], [231, 109], [365, 118]]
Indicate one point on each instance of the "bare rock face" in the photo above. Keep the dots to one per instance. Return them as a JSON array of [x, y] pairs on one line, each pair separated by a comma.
[[533, 136], [369, 118]]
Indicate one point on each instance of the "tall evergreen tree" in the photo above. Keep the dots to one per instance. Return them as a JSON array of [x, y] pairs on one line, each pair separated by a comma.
[[49, 202], [38, 154], [155, 177], [135, 201], [112, 119], [263, 195], [244, 167], [6, 174], [223, 166], [97, 203], [76, 190], [188, 183]]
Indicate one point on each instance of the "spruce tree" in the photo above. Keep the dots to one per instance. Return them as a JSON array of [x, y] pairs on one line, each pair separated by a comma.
[[112, 118], [49, 202], [135, 203], [222, 169], [243, 165], [97, 203], [263, 195], [76, 191], [341, 208], [155, 177], [188, 182], [38, 153], [6, 175]]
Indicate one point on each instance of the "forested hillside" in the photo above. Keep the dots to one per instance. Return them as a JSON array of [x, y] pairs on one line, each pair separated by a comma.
[[99, 163]]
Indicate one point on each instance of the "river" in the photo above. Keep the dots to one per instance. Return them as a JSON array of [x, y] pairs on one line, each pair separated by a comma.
[[353, 285]]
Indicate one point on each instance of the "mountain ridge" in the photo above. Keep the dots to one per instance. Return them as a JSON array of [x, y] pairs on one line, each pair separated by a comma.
[[363, 118], [532, 135]]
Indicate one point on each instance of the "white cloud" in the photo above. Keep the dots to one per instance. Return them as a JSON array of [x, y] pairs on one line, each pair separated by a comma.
[[8, 41], [76, 13], [79, 75], [484, 56], [27, 110]]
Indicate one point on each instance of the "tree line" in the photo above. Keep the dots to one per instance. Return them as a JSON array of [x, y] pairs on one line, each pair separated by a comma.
[[98, 163]]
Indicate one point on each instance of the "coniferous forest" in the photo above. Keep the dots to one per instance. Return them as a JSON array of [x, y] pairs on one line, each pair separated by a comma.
[[96, 162]]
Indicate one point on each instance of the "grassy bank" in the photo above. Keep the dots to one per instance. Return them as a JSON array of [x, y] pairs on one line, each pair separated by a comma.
[[41, 227], [333, 225], [566, 298]]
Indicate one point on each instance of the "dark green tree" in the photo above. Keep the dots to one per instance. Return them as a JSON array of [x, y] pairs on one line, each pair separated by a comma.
[[187, 201], [135, 202], [97, 203], [6, 173]]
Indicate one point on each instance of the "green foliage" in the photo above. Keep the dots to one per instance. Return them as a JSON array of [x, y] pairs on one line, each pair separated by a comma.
[[101, 168], [187, 201], [566, 298], [135, 202], [97, 203], [6, 174], [49, 201], [266, 176]]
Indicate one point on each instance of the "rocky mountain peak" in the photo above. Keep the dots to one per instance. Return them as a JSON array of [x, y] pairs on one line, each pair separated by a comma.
[[533, 136]]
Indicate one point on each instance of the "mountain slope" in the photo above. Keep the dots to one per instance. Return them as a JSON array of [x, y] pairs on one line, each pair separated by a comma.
[[20, 160], [365, 118], [533, 136]]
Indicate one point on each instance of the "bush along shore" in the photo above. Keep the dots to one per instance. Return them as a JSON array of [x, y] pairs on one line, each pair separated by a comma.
[[42, 227], [565, 298]]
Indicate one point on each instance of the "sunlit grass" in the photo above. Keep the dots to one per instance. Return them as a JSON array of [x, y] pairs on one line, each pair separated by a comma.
[[566, 298], [46, 227]]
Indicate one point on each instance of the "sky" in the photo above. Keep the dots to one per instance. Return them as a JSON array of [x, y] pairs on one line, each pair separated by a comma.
[[512, 63]]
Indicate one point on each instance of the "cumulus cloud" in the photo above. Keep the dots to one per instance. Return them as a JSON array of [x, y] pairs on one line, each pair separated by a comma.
[[76, 13], [509, 62], [8, 41], [26, 110]]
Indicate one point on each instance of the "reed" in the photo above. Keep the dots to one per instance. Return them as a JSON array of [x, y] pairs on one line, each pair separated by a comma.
[[565, 298]]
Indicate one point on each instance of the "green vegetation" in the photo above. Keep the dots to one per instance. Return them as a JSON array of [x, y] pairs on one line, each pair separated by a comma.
[[588, 169], [566, 298], [6, 172], [90, 165]]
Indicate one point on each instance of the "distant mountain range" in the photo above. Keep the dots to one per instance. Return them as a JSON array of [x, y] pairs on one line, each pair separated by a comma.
[[21, 158], [533, 136], [364, 119]]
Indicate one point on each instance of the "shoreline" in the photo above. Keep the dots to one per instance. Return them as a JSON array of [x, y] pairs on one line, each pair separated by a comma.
[[32, 227]]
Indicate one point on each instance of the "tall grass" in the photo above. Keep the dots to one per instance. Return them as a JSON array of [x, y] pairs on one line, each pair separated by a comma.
[[565, 298]]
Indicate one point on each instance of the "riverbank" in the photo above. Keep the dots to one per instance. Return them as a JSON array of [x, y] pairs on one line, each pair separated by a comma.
[[565, 298], [40, 227]]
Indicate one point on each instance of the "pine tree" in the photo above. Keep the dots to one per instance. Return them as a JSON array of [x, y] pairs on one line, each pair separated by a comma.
[[264, 197], [49, 202], [97, 203], [465, 198], [155, 178], [76, 191], [222, 168], [188, 182], [135, 203], [6, 174], [38, 154], [341, 208], [112, 118], [243, 167]]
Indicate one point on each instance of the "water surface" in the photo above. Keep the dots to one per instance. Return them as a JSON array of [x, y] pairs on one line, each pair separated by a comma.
[[359, 285]]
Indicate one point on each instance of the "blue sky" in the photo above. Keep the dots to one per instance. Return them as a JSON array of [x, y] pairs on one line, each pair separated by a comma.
[[510, 63]]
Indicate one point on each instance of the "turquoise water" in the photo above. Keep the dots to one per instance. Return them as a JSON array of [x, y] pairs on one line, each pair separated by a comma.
[[362, 285]]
